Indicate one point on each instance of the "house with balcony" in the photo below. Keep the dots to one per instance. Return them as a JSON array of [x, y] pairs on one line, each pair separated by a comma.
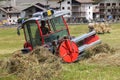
[[95, 11], [109, 9], [81, 11]]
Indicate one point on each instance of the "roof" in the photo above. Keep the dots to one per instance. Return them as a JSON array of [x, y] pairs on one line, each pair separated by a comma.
[[40, 17], [37, 6], [13, 10], [3, 10], [85, 1]]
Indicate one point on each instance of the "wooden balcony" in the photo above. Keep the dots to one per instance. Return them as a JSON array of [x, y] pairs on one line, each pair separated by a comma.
[[102, 7]]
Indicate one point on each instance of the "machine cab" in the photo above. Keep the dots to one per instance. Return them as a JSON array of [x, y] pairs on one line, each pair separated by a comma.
[[36, 36]]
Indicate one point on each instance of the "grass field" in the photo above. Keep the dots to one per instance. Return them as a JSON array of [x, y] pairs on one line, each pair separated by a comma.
[[82, 70]]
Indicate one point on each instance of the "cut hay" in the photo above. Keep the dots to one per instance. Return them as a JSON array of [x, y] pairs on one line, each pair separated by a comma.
[[102, 27], [100, 48], [102, 54], [39, 64], [106, 59]]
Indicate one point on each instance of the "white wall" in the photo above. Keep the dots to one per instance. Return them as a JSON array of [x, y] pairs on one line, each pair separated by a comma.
[[13, 19], [89, 11], [67, 4]]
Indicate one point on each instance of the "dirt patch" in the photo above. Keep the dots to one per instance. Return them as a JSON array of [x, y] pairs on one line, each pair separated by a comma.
[[39, 64]]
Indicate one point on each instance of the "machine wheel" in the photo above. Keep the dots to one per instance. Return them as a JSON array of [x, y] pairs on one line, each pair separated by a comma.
[[68, 51]]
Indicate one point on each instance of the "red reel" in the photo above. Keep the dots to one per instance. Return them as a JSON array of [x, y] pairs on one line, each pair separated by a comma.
[[68, 51], [91, 39]]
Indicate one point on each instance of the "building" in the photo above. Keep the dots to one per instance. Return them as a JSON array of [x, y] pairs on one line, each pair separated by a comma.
[[80, 10], [96, 11], [66, 5], [109, 9], [38, 7], [9, 15]]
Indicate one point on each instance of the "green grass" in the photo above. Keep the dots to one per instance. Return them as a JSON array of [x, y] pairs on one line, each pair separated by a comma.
[[9, 77], [113, 39], [81, 71], [10, 42]]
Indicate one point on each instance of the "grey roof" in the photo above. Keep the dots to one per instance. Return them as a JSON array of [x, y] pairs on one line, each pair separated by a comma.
[[13, 9], [23, 4], [40, 17], [35, 6], [3, 10], [85, 1]]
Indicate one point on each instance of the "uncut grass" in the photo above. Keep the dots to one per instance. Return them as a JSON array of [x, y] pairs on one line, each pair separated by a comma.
[[10, 41], [85, 71]]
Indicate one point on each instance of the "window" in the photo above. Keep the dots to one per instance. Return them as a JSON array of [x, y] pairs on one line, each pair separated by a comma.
[[58, 23], [10, 16], [30, 11], [68, 14], [32, 33], [109, 10], [108, 4], [102, 16], [68, 8], [3, 16], [101, 4], [10, 9], [63, 7], [89, 13], [68, 2], [59, 30], [30, 16], [113, 4], [96, 7], [102, 10], [17, 16]]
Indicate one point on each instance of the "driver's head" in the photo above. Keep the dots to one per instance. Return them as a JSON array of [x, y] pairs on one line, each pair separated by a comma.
[[43, 23]]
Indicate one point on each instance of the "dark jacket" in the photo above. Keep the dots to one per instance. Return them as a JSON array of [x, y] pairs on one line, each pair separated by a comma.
[[44, 30]]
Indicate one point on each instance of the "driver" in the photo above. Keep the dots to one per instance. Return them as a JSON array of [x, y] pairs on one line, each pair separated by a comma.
[[44, 29]]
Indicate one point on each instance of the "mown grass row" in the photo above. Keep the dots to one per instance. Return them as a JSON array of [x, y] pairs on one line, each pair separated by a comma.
[[10, 42]]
